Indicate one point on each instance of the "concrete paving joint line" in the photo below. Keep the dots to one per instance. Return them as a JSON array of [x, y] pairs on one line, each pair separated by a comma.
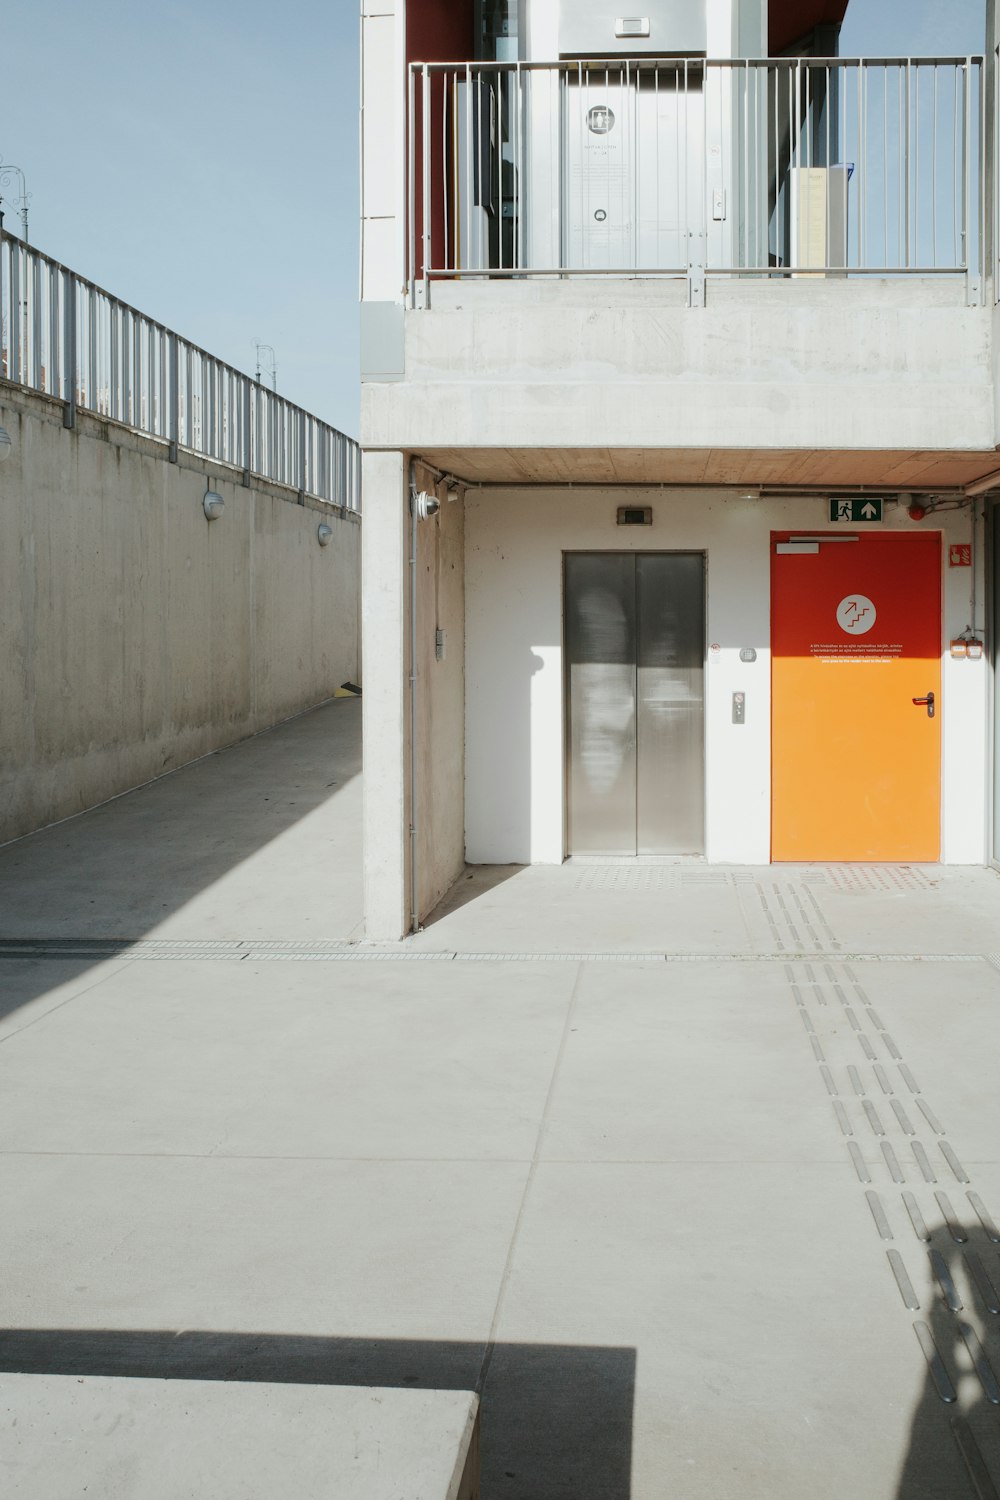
[[543, 1120], [881, 1112], [273, 950]]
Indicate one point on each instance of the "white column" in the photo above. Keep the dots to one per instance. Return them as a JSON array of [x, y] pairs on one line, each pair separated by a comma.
[[383, 149], [384, 633]]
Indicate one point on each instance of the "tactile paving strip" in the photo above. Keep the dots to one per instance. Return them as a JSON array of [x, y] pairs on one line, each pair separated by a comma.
[[863, 880], [796, 921], [916, 1189]]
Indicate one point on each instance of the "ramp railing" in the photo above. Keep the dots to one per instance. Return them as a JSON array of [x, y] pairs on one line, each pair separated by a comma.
[[65, 337]]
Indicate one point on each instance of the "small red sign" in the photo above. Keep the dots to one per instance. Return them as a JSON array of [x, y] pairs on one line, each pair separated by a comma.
[[960, 556]]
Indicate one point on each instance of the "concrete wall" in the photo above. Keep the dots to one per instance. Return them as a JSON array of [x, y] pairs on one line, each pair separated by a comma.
[[788, 364], [440, 806], [438, 812], [385, 709], [137, 635], [514, 665]]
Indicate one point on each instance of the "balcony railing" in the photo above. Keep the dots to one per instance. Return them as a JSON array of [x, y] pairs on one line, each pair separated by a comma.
[[65, 337], [690, 169]]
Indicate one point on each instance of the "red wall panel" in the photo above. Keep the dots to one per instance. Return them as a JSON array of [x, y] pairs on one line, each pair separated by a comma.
[[436, 31]]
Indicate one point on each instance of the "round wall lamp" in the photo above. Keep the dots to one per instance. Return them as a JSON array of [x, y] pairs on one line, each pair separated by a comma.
[[213, 505], [5, 444], [324, 534]]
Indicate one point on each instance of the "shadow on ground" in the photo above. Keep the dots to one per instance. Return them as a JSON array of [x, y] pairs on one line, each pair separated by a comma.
[[556, 1419], [261, 840], [475, 881], [954, 1446]]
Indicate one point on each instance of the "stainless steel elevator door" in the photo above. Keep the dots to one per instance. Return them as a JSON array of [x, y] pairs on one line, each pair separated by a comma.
[[670, 718], [600, 653], [635, 649]]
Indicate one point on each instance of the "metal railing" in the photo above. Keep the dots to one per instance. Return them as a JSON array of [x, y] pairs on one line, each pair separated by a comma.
[[65, 337], [995, 185], [693, 168]]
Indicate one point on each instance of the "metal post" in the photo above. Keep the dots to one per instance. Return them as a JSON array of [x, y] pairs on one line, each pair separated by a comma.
[[303, 475], [36, 319], [174, 399], [411, 188], [971, 289], [426, 157], [69, 337], [981, 197], [906, 168], [15, 314], [247, 432]]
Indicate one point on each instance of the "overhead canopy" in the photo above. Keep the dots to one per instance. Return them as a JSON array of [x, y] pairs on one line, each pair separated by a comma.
[[795, 469], [791, 20]]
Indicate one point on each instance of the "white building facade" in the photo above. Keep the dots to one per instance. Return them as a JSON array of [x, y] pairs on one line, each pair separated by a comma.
[[680, 424]]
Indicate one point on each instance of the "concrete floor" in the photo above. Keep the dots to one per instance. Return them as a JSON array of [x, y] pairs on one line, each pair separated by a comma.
[[652, 1179], [262, 839]]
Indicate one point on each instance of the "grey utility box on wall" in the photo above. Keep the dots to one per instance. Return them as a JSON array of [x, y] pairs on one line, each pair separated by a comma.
[[656, 28]]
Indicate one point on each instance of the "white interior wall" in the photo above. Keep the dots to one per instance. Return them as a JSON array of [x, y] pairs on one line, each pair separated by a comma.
[[515, 540], [543, 29]]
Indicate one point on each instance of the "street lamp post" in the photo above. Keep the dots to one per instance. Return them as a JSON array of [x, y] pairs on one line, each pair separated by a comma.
[[266, 412], [270, 362], [8, 171]]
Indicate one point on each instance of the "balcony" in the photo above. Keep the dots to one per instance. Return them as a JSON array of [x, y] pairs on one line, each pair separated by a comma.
[[694, 170]]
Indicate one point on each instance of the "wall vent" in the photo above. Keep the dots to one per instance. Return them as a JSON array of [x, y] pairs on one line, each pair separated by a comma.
[[635, 515]]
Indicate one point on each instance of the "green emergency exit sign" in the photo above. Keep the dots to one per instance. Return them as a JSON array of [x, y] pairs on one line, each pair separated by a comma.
[[855, 508]]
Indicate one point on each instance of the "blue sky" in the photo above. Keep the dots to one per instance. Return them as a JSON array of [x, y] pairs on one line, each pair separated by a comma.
[[201, 161]]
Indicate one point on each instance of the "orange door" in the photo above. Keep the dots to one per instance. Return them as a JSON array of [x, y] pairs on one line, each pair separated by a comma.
[[855, 637]]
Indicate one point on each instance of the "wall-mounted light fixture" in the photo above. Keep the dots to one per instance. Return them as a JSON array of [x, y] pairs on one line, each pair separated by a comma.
[[425, 505], [453, 490], [752, 492], [213, 505], [324, 534], [5, 444]]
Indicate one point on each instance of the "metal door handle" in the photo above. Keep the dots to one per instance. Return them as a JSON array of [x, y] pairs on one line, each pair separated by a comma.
[[927, 703]]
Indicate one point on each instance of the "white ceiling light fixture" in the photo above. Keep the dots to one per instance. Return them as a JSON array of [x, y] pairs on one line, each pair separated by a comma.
[[213, 505]]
